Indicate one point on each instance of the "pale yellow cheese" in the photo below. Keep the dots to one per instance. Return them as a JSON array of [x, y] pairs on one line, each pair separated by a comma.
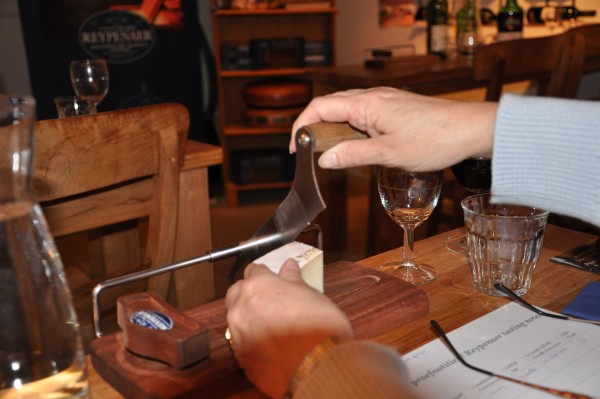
[[309, 258]]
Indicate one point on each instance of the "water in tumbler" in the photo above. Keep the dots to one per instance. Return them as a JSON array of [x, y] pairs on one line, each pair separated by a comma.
[[507, 261], [504, 243]]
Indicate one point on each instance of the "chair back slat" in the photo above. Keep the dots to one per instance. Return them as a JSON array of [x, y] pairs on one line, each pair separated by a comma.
[[520, 60], [80, 154]]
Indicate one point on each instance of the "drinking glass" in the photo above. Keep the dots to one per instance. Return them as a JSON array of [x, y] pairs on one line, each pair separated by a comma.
[[505, 242], [67, 106], [90, 79], [409, 198], [475, 175]]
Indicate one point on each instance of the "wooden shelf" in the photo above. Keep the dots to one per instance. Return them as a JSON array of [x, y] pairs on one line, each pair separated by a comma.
[[274, 11], [258, 73], [259, 186], [235, 29], [242, 130]]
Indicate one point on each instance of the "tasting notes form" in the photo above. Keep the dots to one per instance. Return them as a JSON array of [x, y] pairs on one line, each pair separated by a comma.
[[514, 342]]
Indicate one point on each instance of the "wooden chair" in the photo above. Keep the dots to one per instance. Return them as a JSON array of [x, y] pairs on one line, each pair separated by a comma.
[[547, 60], [108, 186], [585, 42]]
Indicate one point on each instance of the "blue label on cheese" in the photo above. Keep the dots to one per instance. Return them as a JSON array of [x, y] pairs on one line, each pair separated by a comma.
[[151, 319]]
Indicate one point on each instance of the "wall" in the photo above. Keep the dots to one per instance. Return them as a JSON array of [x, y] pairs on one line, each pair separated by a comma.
[[14, 77], [358, 27], [357, 30]]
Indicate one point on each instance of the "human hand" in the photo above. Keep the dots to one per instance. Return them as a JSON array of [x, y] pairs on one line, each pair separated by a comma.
[[274, 321], [407, 130]]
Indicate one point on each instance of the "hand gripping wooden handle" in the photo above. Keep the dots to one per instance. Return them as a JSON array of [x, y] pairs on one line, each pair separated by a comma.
[[328, 134]]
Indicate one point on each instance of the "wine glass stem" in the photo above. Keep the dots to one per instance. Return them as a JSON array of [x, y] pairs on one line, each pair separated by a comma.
[[408, 253]]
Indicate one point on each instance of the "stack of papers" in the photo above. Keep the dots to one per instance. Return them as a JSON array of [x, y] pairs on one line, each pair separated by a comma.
[[514, 342]]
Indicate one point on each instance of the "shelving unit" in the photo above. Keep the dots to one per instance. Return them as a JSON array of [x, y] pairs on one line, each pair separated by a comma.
[[235, 27]]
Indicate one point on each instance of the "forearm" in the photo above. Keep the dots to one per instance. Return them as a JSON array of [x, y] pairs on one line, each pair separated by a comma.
[[547, 154]]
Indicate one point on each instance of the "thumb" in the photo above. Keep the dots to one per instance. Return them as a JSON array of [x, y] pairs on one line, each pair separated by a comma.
[[290, 270], [352, 153]]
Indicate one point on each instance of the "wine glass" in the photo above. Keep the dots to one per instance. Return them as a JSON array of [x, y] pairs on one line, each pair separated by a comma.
[[475, 175], [90, 79], [409, 198]]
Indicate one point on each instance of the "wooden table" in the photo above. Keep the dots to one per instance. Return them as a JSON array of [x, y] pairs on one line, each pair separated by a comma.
[[425, 74], [453, 301]]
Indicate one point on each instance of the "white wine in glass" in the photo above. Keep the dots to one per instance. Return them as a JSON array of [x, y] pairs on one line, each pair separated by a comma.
[[90, 79], [409, 198]]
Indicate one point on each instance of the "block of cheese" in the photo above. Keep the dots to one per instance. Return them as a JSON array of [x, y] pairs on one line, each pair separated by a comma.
[[309, 258]]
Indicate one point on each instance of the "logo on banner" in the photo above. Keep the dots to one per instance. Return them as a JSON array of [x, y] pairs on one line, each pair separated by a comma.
[[119, 37]]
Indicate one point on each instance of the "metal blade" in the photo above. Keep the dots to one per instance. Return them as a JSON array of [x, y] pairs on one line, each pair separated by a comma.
[[302, 204]]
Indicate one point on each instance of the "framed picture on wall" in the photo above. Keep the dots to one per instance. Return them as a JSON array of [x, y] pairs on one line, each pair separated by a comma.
[[396, 12]]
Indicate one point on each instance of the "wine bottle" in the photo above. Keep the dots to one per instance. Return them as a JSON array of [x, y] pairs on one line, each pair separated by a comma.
[[421, 14], [467, 28], [510, 21], [535, 14], [437, 27], [487, 16]]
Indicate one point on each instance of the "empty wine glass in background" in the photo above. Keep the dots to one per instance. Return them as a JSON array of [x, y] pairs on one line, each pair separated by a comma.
[[90, 79], [67, 106], [409, 198], [475, 175]]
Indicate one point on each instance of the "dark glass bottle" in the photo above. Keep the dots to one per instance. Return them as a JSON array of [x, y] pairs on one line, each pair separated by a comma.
[[467, 28], [535, 14], [510, 21], [437, 28]]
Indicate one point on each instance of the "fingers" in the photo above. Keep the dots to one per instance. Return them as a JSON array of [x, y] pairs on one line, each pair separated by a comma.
[[336, 107], [354, 153], [234, 291], [290, 270], [254, 269], [232, 294]]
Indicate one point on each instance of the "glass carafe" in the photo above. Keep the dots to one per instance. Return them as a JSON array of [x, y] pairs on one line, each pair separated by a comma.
[[41, 353]]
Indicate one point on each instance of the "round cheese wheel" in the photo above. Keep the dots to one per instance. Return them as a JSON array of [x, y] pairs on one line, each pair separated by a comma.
[[271, 117], [277, 94]]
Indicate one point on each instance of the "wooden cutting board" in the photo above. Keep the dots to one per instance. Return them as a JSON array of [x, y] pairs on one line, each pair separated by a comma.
[[373, 301]]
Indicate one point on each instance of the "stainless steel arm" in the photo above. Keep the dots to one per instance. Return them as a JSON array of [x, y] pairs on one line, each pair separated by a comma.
[[210, 256]]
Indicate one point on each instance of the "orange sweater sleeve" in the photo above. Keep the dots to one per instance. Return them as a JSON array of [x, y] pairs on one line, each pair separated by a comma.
[[356, 369]]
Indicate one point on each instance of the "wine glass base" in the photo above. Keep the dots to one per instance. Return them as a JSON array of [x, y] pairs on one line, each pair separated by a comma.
[[415, 273], [457, 244]]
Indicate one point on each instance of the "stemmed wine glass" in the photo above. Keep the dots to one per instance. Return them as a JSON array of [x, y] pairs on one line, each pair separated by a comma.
[[409, 198], [90, 79], [475, 175]]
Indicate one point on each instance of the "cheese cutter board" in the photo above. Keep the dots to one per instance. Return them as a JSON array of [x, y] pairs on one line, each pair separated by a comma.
[[374, 302]]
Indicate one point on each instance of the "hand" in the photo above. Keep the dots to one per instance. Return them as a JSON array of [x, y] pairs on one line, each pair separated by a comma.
[[407, 130], [275, 321]]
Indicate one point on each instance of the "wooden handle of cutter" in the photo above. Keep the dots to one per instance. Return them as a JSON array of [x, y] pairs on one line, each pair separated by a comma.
[[328, 134]]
